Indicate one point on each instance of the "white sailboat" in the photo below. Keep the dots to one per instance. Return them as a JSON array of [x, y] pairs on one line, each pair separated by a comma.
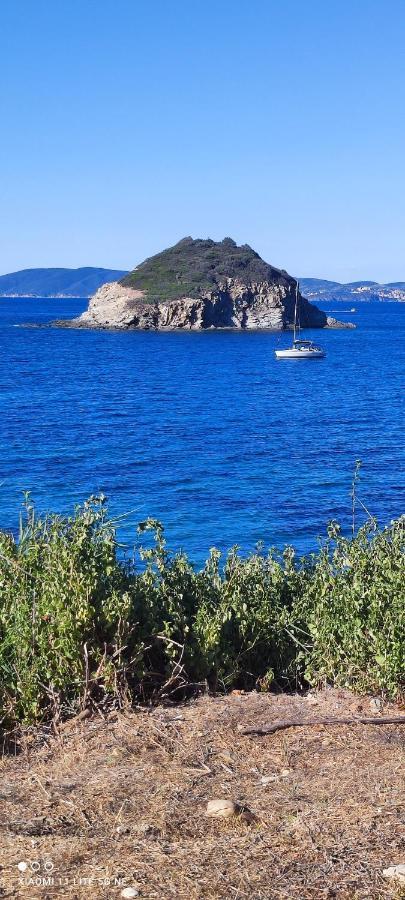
[[300, 349]]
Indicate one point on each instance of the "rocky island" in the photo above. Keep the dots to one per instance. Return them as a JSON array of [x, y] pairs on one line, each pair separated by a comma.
[[201, 284]]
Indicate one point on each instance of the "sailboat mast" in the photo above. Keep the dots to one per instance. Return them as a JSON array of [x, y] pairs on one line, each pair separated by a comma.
[[296, 310]]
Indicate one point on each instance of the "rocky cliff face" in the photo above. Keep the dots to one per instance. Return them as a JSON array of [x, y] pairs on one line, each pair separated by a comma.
[[219, 285], [232, 306]]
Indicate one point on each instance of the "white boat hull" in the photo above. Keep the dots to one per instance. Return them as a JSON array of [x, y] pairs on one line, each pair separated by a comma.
[[300, 349], [295, 353]]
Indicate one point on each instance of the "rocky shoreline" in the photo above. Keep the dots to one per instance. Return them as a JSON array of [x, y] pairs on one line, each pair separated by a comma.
[[199, 284], [233, 305]]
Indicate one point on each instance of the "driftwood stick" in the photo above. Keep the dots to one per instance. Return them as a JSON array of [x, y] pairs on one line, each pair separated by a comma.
[[346, 720]]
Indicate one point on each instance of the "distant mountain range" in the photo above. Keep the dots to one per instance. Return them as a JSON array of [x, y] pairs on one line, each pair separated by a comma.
[[57, 282], [316, 289], [84, 282]]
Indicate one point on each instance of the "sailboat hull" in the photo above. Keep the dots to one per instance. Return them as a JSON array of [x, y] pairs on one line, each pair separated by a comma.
[[300, 349], [304, 353]]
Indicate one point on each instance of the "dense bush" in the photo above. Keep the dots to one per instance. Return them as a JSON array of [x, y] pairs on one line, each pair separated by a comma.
[[79, 625], [193, 267], [354, 610]]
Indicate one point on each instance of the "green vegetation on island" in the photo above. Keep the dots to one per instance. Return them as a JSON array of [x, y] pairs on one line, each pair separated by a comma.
[[193, 267], [79, 625]]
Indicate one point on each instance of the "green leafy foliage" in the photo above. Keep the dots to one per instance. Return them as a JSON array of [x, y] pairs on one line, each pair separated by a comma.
[[79, 625], [354, 610], [193, 267]]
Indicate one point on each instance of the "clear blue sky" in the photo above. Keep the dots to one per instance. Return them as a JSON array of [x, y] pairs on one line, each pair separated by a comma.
[[126, 125]]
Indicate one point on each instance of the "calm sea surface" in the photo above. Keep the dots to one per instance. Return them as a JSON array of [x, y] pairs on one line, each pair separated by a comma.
[[206, 431]]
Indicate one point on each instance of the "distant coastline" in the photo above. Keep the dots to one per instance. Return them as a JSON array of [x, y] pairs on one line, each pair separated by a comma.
[[318, 289], [82, 283], [48, 284], [45, 296]]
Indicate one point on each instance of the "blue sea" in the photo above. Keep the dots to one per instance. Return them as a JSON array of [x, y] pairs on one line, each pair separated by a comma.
[[207, 432]]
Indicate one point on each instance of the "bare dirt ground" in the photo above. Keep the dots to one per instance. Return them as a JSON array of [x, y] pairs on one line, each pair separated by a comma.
[[109, 804]]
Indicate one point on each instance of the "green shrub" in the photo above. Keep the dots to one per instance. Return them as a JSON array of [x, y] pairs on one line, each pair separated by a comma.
[[79, 625], [354, 610], [193, 267], [63, 600]]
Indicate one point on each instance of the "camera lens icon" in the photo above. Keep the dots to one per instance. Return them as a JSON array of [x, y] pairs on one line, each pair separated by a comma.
[[48, 866]]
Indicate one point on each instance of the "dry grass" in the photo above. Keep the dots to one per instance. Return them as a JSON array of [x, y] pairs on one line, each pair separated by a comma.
[[124, 800]]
